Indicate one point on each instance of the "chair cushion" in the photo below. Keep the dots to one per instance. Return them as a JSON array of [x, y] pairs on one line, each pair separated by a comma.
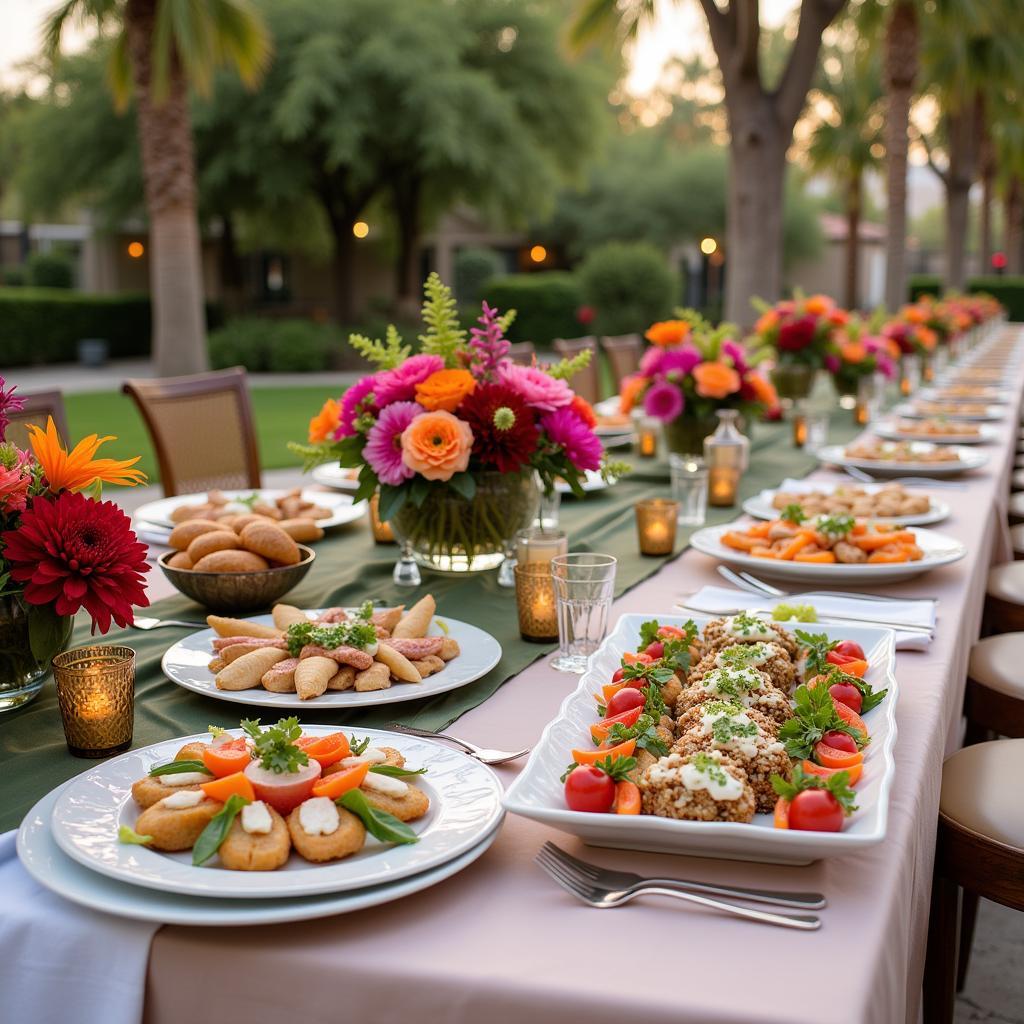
[[1017, 538], [1006, 582], [996, 662], [981, 790]]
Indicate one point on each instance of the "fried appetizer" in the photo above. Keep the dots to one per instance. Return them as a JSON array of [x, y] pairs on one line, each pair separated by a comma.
[[404, 801], [768, 658], [697, 787], [176, 821], [746, 686], [321, 830], [745, 629], [258, 840]]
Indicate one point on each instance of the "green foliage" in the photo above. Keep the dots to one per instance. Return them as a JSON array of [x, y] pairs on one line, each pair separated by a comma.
[[443, 337], [274, 346], [629, 285], [44, 325], [566, 369], [51, 270], [473, 268], [384, 355], [547, 304]]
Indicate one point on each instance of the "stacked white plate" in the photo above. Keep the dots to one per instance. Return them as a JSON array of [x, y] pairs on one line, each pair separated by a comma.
[[69, 843]]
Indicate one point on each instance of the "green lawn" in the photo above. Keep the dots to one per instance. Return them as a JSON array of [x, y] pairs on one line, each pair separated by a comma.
[[282, 415]]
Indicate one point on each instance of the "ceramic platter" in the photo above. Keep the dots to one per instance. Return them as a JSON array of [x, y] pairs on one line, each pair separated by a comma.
[[835, 455]]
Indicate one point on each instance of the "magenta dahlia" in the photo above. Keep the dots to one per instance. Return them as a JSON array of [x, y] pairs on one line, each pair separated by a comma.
[[797, 333], [504, 427], [664, 401], [360, 398], [580, 444], [75, 552]]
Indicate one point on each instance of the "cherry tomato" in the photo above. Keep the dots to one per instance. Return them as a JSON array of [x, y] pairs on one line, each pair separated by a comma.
[[850, 649], [625, 700], [840, 741], [671, 633], [617, 674], [589, 789], [656, 649], [815, 810], [848, 694]]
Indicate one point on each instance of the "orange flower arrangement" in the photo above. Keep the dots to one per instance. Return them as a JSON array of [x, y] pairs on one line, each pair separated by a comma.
[[445, 390], [632, 388], [437, 445], [766, 321], [78, 470], [837, 316], [927, 338], [323, 425], [819, 305], [764, 390], [584, 410], [715, 380], [853, 352], [914, 314], [668, 333]]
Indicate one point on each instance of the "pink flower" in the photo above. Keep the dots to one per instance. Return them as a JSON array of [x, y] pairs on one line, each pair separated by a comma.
[[535, 387], [735, 354], [383, 449], [351, 403], [14, 483], [585, 315], [399, 384], [657, 361], [9, 403], [832, 363], [580, 444], [664, 401]]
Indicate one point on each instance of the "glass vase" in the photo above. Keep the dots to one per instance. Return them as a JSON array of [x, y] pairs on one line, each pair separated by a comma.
[[685, 434], [30, 635], [451, 534], [793, 381]]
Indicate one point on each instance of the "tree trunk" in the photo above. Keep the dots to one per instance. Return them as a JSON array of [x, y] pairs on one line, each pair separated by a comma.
[[963, 132], [901, 58], [1014, 242], [343, 264], [754, 223], [406, 196], [232, 273], [988, 175], [853, 209], [168, 171]]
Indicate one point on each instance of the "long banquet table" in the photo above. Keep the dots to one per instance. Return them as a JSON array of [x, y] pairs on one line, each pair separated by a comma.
[[499, 942]]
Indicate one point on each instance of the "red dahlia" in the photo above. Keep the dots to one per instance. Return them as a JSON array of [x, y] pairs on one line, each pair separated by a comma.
[[504, 427], [75, 552]]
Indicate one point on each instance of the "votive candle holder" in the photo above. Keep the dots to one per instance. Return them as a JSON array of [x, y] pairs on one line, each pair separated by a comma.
[[656, 520], [96, 696], [535, 602], [537, 544]]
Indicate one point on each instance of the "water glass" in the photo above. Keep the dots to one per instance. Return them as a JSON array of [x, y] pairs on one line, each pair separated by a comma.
[[817, 431], [689, 488], [547, 517], [584, 587]]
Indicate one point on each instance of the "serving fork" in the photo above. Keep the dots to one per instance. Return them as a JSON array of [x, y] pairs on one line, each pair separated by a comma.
[[825, 617], [603, 889], [755, 585], [906, 481], [146, 623], [483, 754]]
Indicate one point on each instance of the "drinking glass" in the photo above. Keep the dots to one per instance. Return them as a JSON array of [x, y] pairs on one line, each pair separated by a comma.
[[817, 431], [584, 587], [689, 488], [547, 517]]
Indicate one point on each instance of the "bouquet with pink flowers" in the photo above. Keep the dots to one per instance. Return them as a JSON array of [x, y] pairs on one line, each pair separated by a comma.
[[800, 330]]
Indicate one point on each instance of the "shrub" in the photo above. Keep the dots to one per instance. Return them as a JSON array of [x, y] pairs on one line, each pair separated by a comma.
[[473, 269], [546, 304], [629, 285], [924, 284], [51, 270], [275, 346], [15, 277]]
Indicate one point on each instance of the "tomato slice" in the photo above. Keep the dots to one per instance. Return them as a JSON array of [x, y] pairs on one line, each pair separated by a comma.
[[627, 797], [637, 659], [341, 782], [624, 749], [227, 758], [855, 666], [608, 691], [325, 749], [853, 720], [671, 633], [854, 771], [599, 730], [781, 815], [830, 757]]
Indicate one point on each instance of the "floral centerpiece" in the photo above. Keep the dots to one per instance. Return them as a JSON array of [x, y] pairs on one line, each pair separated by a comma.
[[910, 332], [690, 372], [62, 549], [800, 333], [859, 355], [455, 437]]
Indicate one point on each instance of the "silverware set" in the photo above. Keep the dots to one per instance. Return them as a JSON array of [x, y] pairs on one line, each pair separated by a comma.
[[483, 754], [906, 481], [603, 888]]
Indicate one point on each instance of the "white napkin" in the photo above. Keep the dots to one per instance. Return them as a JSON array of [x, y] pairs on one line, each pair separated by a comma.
[[63, 962], [716, 600]]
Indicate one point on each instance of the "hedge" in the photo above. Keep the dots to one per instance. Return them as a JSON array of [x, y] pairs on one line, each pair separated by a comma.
[[547, 303], [277, 346], [44, 325], [1008, 290]]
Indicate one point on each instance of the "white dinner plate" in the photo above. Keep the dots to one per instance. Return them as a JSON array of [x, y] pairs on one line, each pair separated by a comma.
[[835, 455], [592, 481], [185, 664], [343, 509], [465, 805], [537, 792], [991, 414], [938, 548], [891, 431], [336, 477], [989, 395], [44, 860], [760, 505]]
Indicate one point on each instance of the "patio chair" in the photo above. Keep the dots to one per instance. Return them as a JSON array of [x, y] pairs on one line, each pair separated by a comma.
[[522, 352], [38, 406], [586, 383], [202, 430], [623, 351]]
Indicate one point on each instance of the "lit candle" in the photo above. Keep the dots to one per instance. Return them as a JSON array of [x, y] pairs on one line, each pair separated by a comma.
[[96, 695], [905, 386], [656, 521], [648, 443], [535, 602], [537, 545], [722, 483], [97, 705], [799, 430], [861, 414]]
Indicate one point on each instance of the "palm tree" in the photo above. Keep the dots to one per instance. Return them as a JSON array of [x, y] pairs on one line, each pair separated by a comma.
[[848, 141], [761, 115], [164, 47]]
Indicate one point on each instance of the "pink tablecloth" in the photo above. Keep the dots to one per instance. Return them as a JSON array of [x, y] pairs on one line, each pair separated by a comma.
[[500, 943]]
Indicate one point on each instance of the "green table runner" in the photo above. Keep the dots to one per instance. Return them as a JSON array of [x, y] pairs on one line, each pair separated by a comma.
[[349, 568]]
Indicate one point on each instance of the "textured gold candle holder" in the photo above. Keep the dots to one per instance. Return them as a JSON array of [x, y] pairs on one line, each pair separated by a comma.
[[656, 520], [96, 695], [861, 413], [722, 485], [535, 603], [647, 438], [382, 532]]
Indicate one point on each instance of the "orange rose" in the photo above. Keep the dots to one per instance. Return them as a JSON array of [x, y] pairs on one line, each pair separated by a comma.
[[838, 316], [715, 380], [668, 333], [445, 389], [325, 422], [818, 305], [764, 390], [914, 315], [631, 389], [927, 338], [853, 352], [766, 321], [892, 348], [584, 410], [437, 445]]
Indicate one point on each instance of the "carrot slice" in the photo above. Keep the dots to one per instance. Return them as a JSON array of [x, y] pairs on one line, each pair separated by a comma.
[[341, 782], [627, 797], [227, 758], [230, 785], [739, 541], [852, 719], [759, 530], [325, 749], [831, 757], [854, 771], [889, 556], [822, 557], [763, 552], [857, 667], [781, 813], [873, 541], [796, 545], [624, 749]]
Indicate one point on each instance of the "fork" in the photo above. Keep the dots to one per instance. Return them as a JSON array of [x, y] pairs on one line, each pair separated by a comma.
[[907, 481], [604, 896], [753, 584], [482, 754], [826, 617], [624, 879], [146, 623]]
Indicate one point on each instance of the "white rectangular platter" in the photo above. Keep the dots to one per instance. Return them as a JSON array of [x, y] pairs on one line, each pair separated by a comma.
[[537, 792]]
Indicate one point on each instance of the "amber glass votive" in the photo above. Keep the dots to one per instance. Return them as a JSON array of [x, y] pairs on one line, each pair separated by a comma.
[[799, 429], [382, 532], [647, 431], [536, 544], [723, 482], [656, 520], [535, 603], [96, 694]]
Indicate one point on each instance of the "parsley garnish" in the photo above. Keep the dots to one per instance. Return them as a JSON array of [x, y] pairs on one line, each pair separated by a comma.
[[644, 731], [814, 714], [742, 655], [709, 766], [837, 785], [870, 697], [793, 513], [357, 633], [815, 648], [356, 747], [274, 746], [725, 728], [744, 624], [836, 526], [731, 682]]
